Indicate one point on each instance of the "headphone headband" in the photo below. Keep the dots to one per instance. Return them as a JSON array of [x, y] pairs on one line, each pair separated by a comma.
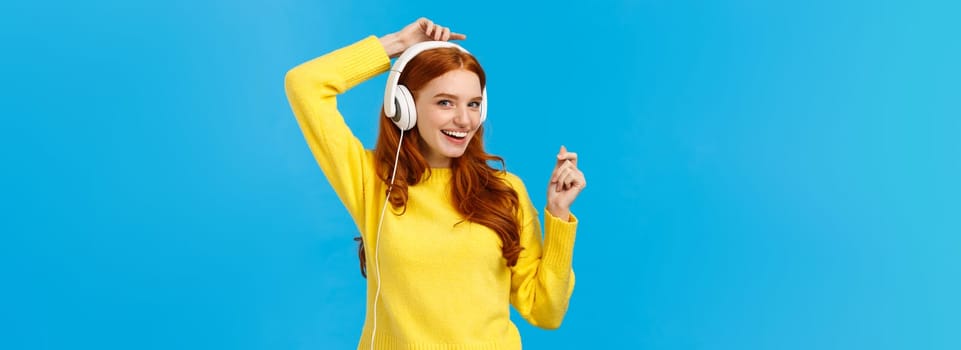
[[395, 70]]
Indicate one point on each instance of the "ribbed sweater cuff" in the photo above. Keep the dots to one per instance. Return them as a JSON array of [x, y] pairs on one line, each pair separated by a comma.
[[559, 241], [361, 60]]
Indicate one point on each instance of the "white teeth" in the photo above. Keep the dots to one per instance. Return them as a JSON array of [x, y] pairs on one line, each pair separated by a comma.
[[457, 134]]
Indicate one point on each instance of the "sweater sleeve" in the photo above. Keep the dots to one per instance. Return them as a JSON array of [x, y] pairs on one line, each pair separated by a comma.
[[311, 89], [543, 279]]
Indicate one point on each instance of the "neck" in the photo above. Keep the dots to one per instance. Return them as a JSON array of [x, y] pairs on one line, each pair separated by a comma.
[[438, 161]]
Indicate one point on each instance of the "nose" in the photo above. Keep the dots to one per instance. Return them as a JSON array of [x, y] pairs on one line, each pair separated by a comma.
[[462, 117]]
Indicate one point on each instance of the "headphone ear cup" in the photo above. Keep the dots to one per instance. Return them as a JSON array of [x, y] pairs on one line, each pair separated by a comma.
[[406, 116], [483, 106]]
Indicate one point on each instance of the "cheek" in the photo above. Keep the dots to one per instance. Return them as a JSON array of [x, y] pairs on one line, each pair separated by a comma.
[[428, 119], [425, 124]]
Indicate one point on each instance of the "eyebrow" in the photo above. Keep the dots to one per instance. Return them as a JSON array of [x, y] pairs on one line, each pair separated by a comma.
[[452, 96]]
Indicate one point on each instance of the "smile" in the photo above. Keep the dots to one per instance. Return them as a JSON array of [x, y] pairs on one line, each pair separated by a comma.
[[455, 134]]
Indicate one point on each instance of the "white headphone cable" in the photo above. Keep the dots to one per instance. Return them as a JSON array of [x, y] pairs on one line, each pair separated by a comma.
[[380, 222]]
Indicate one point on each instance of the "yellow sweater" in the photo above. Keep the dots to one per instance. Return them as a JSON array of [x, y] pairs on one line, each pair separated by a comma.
[[444, 286]]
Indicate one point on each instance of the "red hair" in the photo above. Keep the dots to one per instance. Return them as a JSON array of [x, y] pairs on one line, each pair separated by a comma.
[[478, 191]]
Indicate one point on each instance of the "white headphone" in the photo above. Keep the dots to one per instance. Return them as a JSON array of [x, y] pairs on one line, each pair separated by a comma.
[[399, 102]]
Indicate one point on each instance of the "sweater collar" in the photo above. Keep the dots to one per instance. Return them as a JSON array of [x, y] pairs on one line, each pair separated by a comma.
[[437, 175]]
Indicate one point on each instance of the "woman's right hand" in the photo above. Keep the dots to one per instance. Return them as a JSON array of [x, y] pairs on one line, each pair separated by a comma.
[[422, 29]]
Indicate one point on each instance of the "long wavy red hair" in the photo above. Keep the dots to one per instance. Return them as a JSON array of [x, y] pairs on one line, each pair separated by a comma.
[[478, 193]]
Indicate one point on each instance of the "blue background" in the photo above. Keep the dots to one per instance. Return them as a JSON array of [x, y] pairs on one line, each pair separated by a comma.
[[763, 175]]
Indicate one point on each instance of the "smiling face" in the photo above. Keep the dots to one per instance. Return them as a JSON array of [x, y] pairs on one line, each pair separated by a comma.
[[448, 114]]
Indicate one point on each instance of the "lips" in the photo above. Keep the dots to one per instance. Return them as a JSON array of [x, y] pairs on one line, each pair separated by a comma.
[[459, 135]]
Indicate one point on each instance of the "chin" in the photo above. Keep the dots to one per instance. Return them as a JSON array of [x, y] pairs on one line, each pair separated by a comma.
[[456, 151], [453, 155]]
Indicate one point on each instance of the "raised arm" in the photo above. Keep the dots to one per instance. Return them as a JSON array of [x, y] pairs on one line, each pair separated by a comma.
[[543, 279], [312, 88]]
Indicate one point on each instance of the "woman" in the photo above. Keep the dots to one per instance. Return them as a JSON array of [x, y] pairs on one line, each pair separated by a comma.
[[461, 240]]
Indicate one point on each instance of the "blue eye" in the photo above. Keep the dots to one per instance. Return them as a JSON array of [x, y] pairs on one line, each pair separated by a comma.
[[445, 103], [474, 104]]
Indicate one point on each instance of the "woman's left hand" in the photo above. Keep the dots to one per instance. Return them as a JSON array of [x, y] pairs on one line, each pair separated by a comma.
[[566, 183]]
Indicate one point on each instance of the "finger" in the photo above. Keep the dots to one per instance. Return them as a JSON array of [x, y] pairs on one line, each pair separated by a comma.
[[565, 169], [570, 166], [422, 23], [438, 32], [574, 180], [570, 180], [566, 181], [560, 158], [445, 34], [571, 156], [562, 174], [559, 185], [552, 184], [430, 28], [563, 154], [558, 169], [579, 180], [457, 36]]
